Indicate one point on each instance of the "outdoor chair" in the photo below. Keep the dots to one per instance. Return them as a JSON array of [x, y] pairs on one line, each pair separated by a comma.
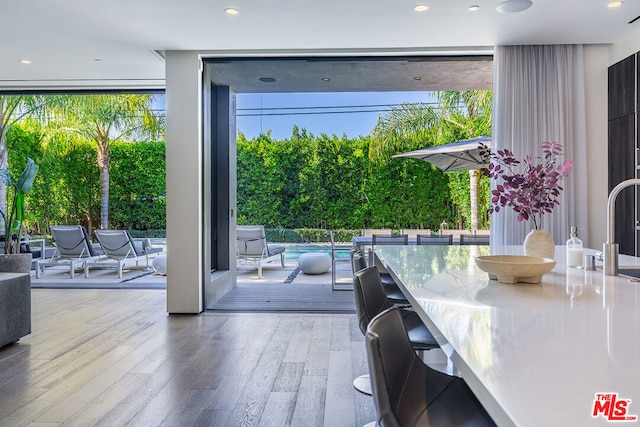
[[251, 246], [119, 248], [334, 260], [413, 232], [425, 239], [471, 239], [72, 247], [369, 232], [26, 246], [406, 392]]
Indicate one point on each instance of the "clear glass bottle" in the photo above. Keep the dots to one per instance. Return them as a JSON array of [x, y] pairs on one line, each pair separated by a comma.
[[574, 249]]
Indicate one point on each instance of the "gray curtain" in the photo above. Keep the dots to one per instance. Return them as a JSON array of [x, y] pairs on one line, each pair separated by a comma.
[[539, 96]]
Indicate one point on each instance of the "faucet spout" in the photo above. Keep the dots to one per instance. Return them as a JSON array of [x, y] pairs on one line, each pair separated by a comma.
[[610, 249]]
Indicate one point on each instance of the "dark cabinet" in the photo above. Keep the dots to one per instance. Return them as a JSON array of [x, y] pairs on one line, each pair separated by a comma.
[[622, 148]]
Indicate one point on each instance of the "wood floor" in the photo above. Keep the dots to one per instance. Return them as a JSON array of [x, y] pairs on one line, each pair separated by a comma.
[[115, 358]]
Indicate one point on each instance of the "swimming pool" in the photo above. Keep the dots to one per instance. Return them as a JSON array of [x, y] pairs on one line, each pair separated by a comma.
[[293, 251]]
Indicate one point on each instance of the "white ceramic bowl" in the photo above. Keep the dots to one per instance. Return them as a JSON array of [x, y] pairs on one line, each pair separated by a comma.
[[515, 268]]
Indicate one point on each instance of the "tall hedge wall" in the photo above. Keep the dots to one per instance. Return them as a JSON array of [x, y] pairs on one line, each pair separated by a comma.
[[304, 182], [329, 182], [67, 187]]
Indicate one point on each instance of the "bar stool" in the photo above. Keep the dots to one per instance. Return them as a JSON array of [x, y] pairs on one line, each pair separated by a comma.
[[359, 262], [371, 300], [408, 393], [384, 239], [424, 239], [472, 239]]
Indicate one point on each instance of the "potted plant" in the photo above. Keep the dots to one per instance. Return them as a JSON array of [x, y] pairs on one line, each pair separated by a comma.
[[13, 218], [531, 191]]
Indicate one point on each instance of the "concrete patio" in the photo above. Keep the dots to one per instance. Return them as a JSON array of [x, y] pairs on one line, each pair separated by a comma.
[[288, 289], [280, 289]]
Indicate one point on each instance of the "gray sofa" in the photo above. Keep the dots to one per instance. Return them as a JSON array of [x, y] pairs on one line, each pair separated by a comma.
[[15, 307]]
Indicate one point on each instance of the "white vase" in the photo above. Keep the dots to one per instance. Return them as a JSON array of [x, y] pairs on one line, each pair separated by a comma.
[[539, 243]]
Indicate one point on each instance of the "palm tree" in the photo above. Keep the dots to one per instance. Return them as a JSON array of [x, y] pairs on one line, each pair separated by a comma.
[[401, 128], [458, 115], [104, 118]]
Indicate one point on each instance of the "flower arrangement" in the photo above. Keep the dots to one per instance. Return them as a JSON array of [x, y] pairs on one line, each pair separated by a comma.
[[532, 192]]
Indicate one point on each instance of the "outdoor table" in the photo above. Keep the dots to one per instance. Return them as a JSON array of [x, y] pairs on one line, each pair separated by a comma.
[[558, 353]]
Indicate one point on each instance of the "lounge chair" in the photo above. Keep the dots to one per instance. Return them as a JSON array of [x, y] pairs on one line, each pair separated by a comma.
[[251, 246], [73, 247], [119, 248]]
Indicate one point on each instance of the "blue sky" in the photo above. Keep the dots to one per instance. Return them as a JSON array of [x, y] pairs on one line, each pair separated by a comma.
[[352, 114]]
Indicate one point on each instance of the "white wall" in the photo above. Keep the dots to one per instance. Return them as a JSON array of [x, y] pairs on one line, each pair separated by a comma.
[[596, 61], [184, 182], [624, 48]]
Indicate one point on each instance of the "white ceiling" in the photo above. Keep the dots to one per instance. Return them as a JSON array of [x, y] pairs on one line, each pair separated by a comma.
[[90, 43]]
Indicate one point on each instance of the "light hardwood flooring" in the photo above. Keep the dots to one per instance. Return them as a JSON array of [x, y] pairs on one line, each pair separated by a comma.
[[115, 358]]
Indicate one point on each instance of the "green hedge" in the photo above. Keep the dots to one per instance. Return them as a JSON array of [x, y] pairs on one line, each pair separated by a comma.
[[327, 182], [305, 184], [152, 234], [308, 235], [67, 187]]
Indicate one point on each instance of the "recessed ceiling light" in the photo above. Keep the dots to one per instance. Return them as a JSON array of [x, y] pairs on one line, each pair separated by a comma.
[[267, 79], [420, 7], [474, 8], [514, 6], [325, 79], [25, 61], [613, 4], [231, 11], [417, 78]]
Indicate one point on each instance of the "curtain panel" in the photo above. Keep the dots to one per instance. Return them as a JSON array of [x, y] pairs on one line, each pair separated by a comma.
[[539, 96]]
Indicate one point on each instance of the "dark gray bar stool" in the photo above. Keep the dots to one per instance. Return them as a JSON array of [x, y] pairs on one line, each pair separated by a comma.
[[424, 239], [371, 300], [359, 262], [408, 393], [471, 239]]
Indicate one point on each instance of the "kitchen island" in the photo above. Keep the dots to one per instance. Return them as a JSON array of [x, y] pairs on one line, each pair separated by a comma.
[[534, 354]]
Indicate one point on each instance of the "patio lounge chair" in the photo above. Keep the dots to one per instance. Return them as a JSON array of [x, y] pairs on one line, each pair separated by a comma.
[[73, 247], [119, 248], [251, 246]]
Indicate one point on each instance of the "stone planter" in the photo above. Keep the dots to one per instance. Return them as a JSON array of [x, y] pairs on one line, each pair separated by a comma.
[[15, 263], [15, 307]]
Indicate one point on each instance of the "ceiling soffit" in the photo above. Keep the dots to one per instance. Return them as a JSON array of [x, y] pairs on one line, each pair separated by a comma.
[[375, 74]]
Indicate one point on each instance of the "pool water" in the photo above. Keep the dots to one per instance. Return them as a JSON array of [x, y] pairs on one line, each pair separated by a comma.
[[294, 251]]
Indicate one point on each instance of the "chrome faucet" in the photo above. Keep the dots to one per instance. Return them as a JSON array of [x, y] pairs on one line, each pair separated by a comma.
[[610, 249]]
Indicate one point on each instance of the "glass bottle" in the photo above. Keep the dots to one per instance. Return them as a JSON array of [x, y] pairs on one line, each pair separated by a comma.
[[574, 249]]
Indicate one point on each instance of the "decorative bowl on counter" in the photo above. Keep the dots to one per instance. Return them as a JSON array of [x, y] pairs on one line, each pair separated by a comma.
[[515, 268]]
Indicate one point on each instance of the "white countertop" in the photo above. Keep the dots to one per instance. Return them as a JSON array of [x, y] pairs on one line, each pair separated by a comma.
[[535, 355]]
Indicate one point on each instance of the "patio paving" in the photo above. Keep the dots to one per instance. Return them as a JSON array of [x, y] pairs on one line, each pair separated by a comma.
[[288, 289], [134, 278], [280, 289]]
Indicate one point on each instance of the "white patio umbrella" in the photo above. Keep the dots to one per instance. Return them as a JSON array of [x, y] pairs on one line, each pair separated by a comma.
[[457, 156]]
